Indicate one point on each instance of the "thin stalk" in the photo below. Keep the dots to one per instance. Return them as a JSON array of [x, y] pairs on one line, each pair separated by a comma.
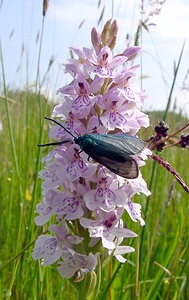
[[164, 119], [10, 125], [15, 160], [173, 84], [38, 158]]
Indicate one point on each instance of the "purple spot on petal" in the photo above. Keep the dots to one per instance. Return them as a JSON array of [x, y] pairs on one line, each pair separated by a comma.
[[108, 223], [129, 94], [50, 246], [83, 90], [69, 204], [112, 117], [80, 103], [47, 211]]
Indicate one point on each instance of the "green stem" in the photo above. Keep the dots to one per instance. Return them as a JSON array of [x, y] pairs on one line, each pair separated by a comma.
[[15, 159], [173, 83], [41, 120]]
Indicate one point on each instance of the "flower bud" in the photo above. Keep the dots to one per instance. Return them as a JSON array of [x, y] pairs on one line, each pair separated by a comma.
[[132, 52], [113, 28], [106, 32], [95, 37], [112, 42]]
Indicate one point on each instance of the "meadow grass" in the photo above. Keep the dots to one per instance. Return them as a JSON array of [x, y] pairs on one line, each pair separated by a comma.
[[159, 267], [157, 270]]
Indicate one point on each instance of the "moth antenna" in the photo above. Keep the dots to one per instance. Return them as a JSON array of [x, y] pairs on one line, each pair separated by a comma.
[[54, 143], [58, 123]]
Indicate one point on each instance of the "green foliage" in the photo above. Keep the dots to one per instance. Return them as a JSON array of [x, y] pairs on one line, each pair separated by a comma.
[[157, 270]]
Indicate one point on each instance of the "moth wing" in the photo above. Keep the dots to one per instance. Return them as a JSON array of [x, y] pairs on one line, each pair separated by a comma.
[[127, 143], [133, 144], [127, 169]]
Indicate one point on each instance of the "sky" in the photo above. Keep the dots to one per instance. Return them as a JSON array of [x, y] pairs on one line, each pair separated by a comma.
[[20, 27]]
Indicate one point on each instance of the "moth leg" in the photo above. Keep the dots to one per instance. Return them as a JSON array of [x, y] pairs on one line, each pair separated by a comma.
[[90, 159], [80, 151], [103, 169], [87, 158]]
